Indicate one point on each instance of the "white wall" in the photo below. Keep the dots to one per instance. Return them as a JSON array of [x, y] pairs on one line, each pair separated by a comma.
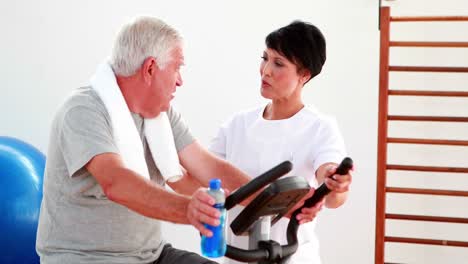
[[49, 47]]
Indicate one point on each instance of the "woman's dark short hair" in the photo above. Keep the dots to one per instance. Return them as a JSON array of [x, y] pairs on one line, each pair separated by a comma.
[[302, 43]]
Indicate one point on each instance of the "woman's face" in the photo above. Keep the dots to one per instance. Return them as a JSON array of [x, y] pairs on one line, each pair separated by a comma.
[[280, 77]]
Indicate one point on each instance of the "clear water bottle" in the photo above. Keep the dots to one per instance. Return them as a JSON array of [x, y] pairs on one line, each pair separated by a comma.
[[215, 246]]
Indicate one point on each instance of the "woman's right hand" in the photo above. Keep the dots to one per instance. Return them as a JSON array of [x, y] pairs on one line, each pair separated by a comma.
[[306, 214], [309, 214]]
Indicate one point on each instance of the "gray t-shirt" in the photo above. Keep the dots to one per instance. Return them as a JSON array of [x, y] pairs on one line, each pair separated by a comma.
[[78, 224]]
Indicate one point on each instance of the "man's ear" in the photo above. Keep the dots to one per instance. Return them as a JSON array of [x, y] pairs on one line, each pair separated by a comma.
[[149, 69]]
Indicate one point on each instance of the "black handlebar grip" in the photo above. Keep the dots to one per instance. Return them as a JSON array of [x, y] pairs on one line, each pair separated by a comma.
[[322, 191]]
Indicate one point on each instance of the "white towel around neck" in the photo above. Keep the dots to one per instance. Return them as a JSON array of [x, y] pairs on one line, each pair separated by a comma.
[[158, 131]]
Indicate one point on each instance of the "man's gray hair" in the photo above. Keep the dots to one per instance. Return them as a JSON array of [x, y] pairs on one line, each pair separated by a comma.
[[142, 38]]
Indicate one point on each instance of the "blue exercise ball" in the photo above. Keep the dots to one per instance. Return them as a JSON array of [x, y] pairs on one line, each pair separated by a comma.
[[21, 175]]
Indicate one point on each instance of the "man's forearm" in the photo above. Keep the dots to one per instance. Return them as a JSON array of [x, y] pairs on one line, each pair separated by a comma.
[[186, 186], [233, 178], [203, 166], [147, 198]]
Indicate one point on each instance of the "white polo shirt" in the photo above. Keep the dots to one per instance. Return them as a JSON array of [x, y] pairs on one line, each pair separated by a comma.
[[253, 144]]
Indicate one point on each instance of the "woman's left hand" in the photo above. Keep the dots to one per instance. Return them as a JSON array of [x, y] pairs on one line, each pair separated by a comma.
[[338, 183]]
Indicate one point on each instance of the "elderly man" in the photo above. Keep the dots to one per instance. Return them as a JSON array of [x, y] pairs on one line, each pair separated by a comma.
[[104, 195]]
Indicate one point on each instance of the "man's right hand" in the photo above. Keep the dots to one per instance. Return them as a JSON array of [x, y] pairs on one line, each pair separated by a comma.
[[200, 211]]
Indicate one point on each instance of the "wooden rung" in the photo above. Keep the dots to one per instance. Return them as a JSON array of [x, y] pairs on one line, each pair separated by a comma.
[[427, 69], [428, 118], [429, 18], [426, 168], [428, 93], [426, 191], [428, 141], [427, 218], [426, 241], [428, 44]]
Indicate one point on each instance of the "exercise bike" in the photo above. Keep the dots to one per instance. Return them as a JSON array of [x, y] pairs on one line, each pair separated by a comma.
[[267, 208]]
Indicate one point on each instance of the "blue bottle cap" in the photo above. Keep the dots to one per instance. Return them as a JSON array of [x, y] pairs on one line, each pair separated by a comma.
[[215, 184]]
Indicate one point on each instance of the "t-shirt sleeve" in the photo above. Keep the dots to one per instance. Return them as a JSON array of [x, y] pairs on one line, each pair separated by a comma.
[[181, 132], [218, 143], [331, 147], [83, 134]]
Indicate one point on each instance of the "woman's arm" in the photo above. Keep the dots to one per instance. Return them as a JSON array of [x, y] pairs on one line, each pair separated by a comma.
[[338, 184]]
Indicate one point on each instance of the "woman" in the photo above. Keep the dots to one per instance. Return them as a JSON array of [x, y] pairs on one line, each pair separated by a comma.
[[285, 129]]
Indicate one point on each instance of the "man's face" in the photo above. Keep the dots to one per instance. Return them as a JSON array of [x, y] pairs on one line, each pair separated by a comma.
[[166, 80]]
